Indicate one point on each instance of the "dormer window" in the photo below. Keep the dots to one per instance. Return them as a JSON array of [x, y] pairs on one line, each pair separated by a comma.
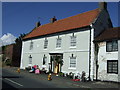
[[31, 45], [73, 40], [58, 42], [45, 43]]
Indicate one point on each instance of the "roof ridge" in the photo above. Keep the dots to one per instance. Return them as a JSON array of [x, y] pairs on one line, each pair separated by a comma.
[[70, 17], [79, 14]]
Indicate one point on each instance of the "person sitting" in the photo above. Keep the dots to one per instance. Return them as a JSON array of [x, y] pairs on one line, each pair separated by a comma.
[[32, 70], [35, 66], [37, 71]]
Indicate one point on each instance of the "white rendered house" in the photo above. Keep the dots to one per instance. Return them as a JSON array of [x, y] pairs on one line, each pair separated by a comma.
[[68, 40], [108, 60]]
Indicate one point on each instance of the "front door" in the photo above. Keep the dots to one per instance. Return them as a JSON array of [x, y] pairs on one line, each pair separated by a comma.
[[56, 63]]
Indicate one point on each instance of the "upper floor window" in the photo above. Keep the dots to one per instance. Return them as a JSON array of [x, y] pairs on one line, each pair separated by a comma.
[[31, 45], [72, 61], [112, 66], [73, 40], [58, 43], [112, 46], [45, 43]]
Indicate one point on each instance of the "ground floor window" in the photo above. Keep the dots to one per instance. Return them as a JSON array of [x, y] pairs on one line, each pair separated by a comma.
[[30, 59], [72, 62], [44, 60], [112, 66]]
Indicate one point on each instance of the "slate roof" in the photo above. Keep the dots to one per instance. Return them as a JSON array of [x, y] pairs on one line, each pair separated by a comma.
[[73, 22], [109, 34]]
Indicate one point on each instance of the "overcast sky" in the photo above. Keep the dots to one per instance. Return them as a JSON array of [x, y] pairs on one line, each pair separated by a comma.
[[20, 17]]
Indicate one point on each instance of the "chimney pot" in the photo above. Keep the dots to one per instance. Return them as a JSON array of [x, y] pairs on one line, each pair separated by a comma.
[[52, 20], [102, 6], [38, 24]]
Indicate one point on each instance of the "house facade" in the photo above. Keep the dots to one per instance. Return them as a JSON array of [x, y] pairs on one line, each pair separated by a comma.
[[108, 55], [66, 45]]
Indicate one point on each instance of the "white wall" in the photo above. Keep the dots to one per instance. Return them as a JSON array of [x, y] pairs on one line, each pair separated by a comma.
[[103, 56], [119, 60], [81, 51]]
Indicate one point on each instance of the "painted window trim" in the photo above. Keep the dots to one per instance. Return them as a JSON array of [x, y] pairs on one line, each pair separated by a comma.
[[112, 46], [73, 36], [44, 60], [59, 38], [45, 44], [58, 48], [108, 67], [72, 68], [30, 60], [31, 45], [74, 47], [69, 62]]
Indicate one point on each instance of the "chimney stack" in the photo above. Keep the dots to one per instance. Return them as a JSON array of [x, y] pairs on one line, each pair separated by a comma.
[[52, 20], [102, 6], [38, 24]]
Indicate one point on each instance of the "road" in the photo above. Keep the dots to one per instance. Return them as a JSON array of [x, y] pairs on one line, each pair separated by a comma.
[[13, 80]]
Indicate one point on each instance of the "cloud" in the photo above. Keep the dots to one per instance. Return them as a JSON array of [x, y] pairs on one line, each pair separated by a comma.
[[7, 39]]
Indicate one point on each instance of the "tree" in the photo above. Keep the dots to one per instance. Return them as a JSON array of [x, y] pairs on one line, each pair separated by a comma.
[[19, 39]]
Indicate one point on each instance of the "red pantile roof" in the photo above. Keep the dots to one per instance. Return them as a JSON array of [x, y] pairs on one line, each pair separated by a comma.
[[77, 21], [111, 33]]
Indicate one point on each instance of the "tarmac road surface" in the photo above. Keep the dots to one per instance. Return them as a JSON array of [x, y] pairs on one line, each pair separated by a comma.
[[12, 80]]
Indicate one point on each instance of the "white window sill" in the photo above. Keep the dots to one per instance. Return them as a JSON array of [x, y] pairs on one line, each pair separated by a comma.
[[72, 47], [71, 68], [45, 49], [29, 64], [58, 48]]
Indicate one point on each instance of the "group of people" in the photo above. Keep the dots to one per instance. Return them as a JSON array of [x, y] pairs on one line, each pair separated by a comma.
[[35, 69]]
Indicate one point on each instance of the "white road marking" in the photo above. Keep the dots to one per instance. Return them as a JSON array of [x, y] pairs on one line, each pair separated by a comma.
[[14, 82]]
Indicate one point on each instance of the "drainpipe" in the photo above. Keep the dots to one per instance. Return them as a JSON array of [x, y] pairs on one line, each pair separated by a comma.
[[96, 59], [21, 61], [89, 53]]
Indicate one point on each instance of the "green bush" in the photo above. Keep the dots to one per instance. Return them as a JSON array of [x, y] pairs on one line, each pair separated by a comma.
[[8, 62]]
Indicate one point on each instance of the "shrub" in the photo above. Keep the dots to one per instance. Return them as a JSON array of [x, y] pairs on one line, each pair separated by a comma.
[[8, 62]]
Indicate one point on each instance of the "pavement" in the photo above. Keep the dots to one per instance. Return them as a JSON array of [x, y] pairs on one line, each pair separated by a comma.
[[65, 82]]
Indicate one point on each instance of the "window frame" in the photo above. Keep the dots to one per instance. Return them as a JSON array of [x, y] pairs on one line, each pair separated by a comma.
[[112, 46], [75, 62], [31, 45], [58, 42], [44, 60], [45, 43], [110, 70], [73, 41], [30, 59]]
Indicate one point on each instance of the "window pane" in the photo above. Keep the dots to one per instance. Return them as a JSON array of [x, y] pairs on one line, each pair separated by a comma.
[[72, 61], [112, 45], [73, 41], [30, 60], [115, 46], [45, 44], [58, 43], [31, 45], [112, 66], [109, 46]]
